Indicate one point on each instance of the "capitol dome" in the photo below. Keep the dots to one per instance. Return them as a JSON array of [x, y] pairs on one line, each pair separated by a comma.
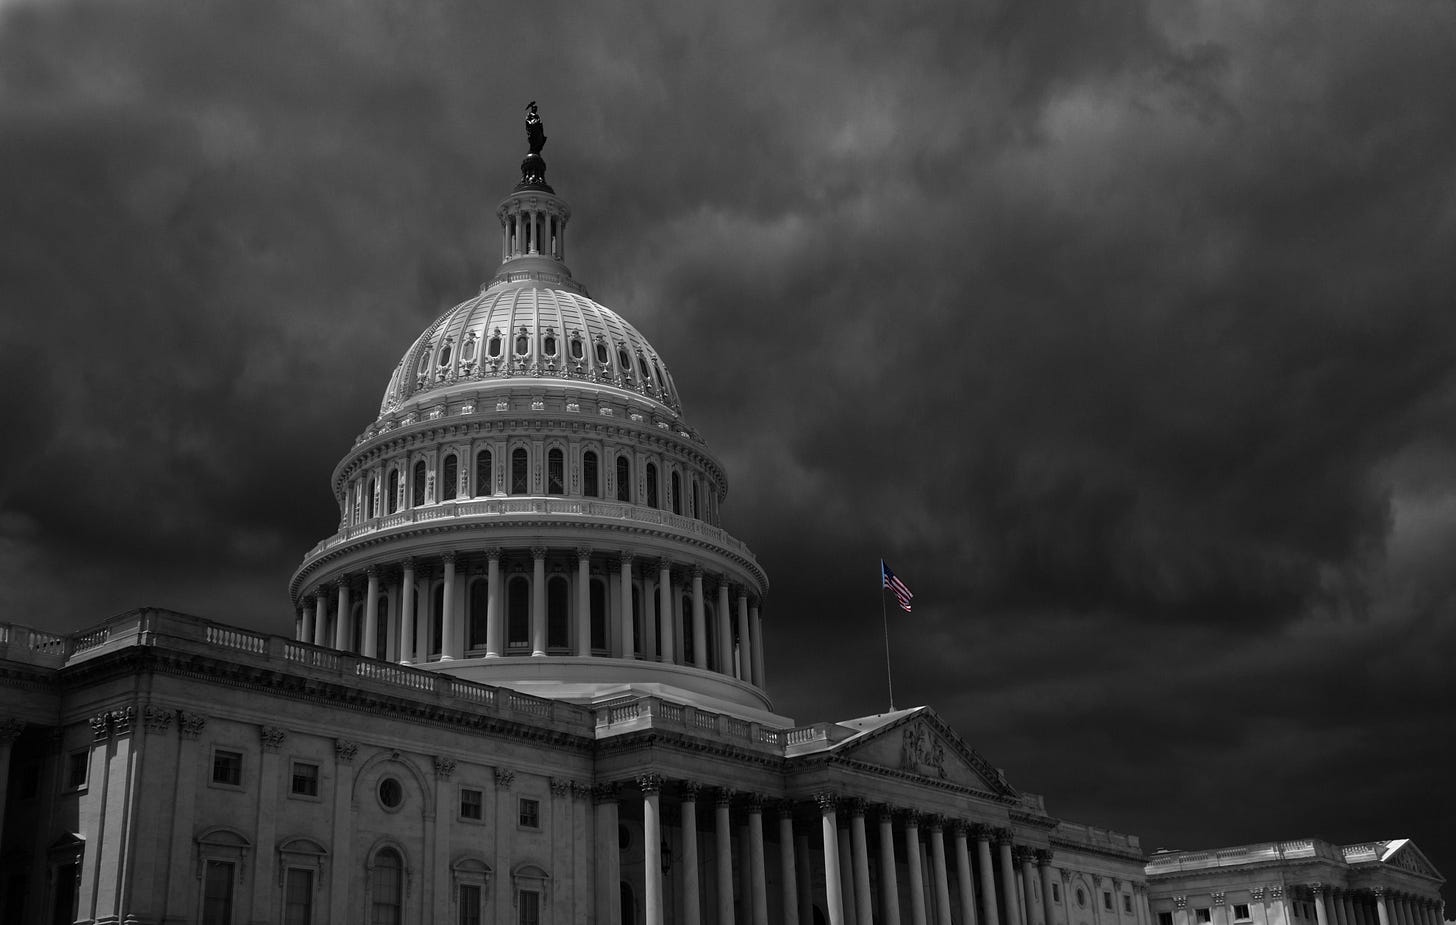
[[530, 510]]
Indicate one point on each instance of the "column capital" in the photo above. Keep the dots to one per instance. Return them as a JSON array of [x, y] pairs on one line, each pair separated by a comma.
[[664, 564], [493, 553], [910, 818], [444, 767], [856, 806], [724, 797], [1316, 887], [650, 783], [1276, 891], [827, 800], [755, 802], [604, 793], [504, 777], [1218, 899], [448, 557], [885, 812], [1378, 890], [272, 737], [697, 571], [933, 821], [10, 729], [345, 750], [408, 562], [1257, 894], [1043, 857], [960, 827], [538, 552], [371, 570], [786, 809], [980, 831], [1181, 902], [1003, 837], [687, 790], [1022, 854], [624, 558]]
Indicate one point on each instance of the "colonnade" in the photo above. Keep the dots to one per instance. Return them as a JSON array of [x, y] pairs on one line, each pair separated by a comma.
[[643, 608], [955, 871], [1375, 906]]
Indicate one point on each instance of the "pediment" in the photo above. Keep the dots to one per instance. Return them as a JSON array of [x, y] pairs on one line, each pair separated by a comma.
[[922, 745], [1409, 857]]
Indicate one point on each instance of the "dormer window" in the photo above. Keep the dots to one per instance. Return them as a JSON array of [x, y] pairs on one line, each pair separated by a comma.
[[493, 347], [578, 350], [548, 346], [602, 357]]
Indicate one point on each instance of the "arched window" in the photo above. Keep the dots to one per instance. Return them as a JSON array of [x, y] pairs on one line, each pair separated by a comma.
[[624, 479], [696, 499], [676, 492], [417, 496], [576, 348], [386, 888], [599, 616], [548, 346], [624, 361], [391, 497], [493, 346], [520, 475], [518, 613], [437, 619], [484, 474], [373, 488], [558, 613], [687, 631], [467, 352], [475, 624], [449, 475], [651, 485], [602, 358], [382, 637], [555, 472], [589, 476], [445, 355], [523, 345], [642, 368]]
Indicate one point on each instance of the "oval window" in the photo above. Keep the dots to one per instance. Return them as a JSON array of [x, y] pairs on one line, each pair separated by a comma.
[[550, 346], [602, 354], [576, 348], [391, 794]]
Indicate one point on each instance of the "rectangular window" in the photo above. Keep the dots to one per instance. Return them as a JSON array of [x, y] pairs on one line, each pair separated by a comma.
[[298, 897], [227, 768], [1165, 918], [1056, 892], [1107, 900], [471, 804], [1127, 903], [1241, 911], [529, 908], [217, 893], [76, 767], [530, 814], [305, 779], [469, 904], [1203, 915]]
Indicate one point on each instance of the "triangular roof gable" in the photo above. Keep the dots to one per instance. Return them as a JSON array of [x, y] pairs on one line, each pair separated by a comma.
[[919, 743], [1404, 854]]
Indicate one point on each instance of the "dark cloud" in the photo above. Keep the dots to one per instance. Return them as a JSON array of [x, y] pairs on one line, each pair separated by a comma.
[[1124, 330]]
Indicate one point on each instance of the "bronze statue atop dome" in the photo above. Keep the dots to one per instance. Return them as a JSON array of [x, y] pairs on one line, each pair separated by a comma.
[[533, 168]]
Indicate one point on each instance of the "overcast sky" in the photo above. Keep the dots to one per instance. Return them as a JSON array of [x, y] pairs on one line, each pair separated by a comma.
[[1125, 331]]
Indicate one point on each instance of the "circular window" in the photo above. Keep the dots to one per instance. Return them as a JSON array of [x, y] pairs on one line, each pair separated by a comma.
[[391, 794], [1081, 897]]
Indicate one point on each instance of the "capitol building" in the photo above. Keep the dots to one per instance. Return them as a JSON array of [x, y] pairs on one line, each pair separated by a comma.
[[527, 685]]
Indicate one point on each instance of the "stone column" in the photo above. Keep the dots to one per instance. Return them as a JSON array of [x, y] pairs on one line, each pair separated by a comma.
[[756, 873], [859, 850], [963, 875], [692, 899], [700, 621], [846, 876], [321, 617], [804, 873], [723, 836], [1028, 886], [757, 627], [1008, 877], [450, 638], [407, 614], [829, 832], [371, 613], [651, 785], [889, 888], [264, 826], [342, 618], [1344, 911], [745, 650], [10, 730], [538, 600], [1044, 867], [583, 602], [787, 872], [1256, 906], [609, 862], [990, 915], [915, 880], [309, 604], [495, 629], [629, 641], [665, 646], [1321, 914], [938, 875], [725, 634]]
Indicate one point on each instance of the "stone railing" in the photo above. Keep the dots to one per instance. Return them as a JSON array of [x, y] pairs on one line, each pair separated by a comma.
[[1095, 837], [1172, 861], [574, 508]]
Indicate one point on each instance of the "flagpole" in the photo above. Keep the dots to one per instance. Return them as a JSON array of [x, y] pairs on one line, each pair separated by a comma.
[[884, 616]]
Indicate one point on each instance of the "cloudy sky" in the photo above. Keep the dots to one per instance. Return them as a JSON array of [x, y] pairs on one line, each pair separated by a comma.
[[1125, 331]]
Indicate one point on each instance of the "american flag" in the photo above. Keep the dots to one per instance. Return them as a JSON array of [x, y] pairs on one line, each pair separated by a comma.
[[902, 593]]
